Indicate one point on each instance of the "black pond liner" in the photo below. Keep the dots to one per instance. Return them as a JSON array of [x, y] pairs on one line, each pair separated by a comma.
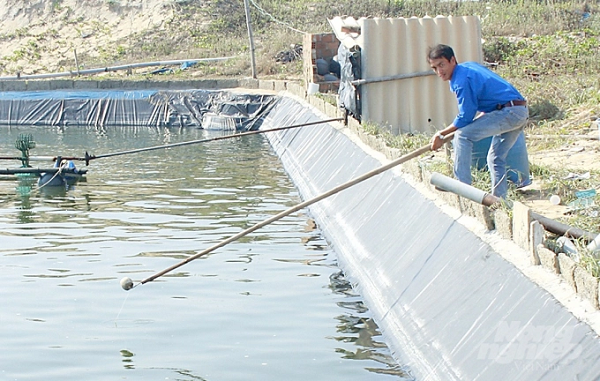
[[208, 109]]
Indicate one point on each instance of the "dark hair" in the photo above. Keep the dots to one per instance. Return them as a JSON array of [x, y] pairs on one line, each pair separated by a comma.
[[440, 51]]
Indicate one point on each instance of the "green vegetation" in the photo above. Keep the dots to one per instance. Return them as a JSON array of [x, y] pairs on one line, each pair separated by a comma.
[[405, 142]]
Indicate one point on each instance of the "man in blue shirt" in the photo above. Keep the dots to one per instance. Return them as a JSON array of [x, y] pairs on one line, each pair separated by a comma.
[[503, 115]]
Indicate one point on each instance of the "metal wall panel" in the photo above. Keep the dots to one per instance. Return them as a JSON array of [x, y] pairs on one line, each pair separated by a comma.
[[392, 47]]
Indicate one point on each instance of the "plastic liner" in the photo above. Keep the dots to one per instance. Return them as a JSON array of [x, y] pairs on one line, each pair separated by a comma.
[[448, 305], [185, 108]]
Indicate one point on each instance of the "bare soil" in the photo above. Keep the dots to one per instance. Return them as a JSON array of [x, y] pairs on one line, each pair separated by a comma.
[[41, 36]]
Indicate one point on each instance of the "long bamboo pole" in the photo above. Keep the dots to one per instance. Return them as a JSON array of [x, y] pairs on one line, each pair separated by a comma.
[[127, 284]]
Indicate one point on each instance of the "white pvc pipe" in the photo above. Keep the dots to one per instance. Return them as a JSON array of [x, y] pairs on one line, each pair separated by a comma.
[[451, 185], [467, 191], [594, 246], [42, 158], [111, 68]]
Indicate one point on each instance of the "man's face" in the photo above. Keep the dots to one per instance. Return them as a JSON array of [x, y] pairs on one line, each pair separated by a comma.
[[442, 67]]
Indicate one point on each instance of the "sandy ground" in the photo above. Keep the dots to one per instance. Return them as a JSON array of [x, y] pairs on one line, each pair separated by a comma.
[[579, 158], [41, 36], [583, 155]]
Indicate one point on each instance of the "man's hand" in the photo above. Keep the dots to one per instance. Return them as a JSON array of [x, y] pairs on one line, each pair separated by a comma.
[[437, 141]]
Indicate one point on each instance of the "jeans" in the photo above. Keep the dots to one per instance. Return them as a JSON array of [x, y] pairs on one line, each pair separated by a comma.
[[504, 126]]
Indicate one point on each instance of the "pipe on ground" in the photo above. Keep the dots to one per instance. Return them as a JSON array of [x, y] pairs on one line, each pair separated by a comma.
[[448, 184]]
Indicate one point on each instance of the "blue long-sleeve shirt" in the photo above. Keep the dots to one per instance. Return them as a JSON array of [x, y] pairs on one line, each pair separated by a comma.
[[479, 89]]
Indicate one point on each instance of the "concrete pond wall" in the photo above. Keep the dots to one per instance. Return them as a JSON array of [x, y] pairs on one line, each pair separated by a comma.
[[436, 272]]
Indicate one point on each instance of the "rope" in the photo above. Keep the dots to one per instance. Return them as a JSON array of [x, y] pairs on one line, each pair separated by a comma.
[[274, 19], [89, 157], [60, 168]]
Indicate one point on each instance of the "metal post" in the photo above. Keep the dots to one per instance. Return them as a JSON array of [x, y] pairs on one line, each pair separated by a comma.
[[252, 60]]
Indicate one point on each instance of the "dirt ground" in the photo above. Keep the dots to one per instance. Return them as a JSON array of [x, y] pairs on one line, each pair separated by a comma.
[[41, 36], [580, 157]]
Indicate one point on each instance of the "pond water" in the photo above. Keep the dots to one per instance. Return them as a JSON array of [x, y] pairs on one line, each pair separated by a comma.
[[270, 306]]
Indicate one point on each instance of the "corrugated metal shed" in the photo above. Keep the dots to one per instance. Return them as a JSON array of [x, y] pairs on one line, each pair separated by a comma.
[[392, 47]]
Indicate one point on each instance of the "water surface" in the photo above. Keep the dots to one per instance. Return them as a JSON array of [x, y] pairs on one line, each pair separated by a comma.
[[270, 306]]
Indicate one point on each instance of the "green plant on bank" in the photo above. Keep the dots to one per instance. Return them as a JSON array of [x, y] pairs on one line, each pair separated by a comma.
[[588, 260], [443, 167], [329, 98], [49, 34], [29, 52], [56, 5], [22, 32], [585, 258], [403, 142], [121, 50]]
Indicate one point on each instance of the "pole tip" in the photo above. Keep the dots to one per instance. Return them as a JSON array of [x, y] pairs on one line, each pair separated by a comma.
[[126, 284]]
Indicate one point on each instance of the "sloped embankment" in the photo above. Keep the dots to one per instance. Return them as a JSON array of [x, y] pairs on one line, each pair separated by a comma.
[[43, 36]]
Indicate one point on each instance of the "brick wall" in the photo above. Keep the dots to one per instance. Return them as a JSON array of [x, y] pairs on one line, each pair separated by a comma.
[[323, 45]]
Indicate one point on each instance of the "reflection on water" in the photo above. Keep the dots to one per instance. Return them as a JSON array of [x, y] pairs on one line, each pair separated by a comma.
[[355, 326], [127, 359], [254, 309]]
